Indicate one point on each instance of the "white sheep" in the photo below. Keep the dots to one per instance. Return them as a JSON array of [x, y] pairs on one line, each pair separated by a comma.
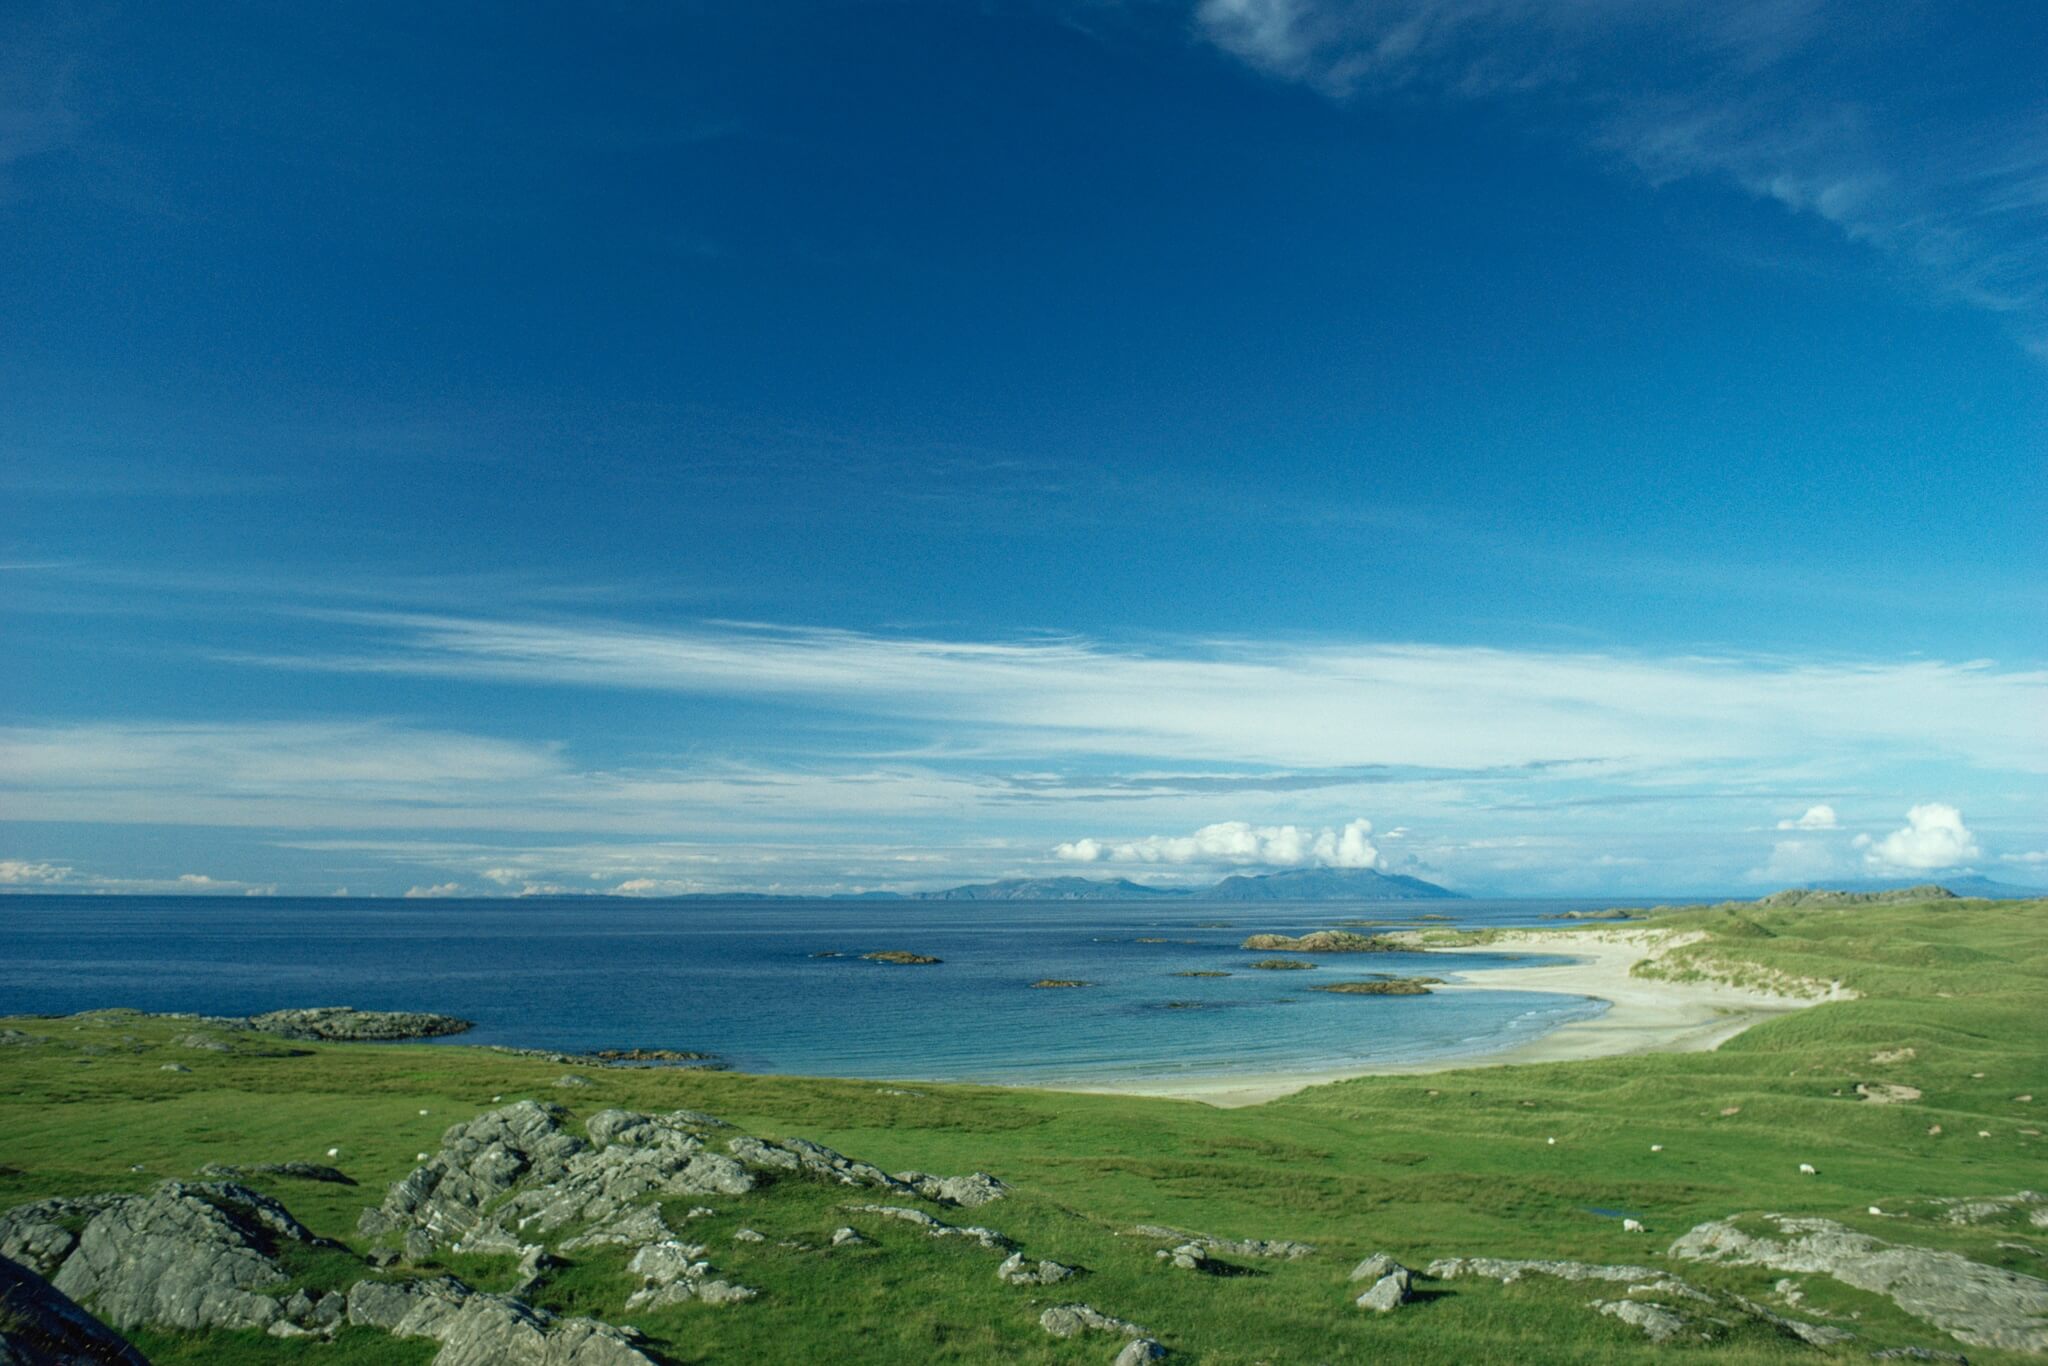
[[1808, 1169], [1631, 1226], [419, 1157], [334, 1152], [1551, 1141], [1875, 1210], [423, 1112], [1656, 1147]]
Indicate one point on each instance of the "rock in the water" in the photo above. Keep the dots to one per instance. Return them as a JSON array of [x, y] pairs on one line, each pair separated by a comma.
[[347, 1024], [1016, 1271], [970, 1192], [40, 1326], [1138, 1351], [901, 957], [1070, 1320], [1657, 1323], [1985, 1306], [1321, 941], [1389, 1292], [185, 1256]]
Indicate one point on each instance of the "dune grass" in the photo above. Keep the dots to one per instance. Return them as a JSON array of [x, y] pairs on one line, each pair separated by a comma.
[[1952, 994]]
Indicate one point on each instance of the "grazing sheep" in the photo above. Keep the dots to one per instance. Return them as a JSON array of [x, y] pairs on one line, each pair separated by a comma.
[[1808, 1169], [334, 1152], [1656, 1147], [1632, 1226]]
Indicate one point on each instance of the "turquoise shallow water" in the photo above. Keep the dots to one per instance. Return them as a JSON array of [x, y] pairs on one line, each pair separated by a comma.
[[739, 979]]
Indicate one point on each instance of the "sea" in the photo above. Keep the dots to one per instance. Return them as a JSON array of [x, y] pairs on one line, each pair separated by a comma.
[[745, 980]]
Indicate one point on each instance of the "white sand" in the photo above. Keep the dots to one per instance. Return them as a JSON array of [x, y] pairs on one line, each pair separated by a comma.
[[1645, 1015]]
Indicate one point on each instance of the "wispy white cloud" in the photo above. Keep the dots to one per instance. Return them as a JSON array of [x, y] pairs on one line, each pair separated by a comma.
[[1807, 104], [439, 890], [1272, 702], [1934, 836], [32, 875], [1238, 844], [1820, 817]]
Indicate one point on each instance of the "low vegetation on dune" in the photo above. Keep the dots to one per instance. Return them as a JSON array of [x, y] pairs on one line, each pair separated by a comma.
[[1739, 1205]]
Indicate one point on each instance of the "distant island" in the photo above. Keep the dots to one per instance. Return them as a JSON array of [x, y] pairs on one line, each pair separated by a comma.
[[1293, 884]]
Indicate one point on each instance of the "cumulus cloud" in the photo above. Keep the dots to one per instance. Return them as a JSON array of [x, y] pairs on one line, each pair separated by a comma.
[[439, 889], [1238, 844], [1934, 836], [20, 872], [1796, 861], [1816, 818], [2031, 856]]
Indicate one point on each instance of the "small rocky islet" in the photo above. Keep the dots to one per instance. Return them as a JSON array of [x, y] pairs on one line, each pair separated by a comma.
[[1382, 986]]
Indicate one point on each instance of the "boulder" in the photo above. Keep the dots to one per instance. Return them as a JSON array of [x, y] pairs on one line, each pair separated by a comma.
[[1138, 1351], [1389, 1292], [1376, 1266], [40, 1326], [969, 1192], [1658, 1323], [987, 1237], [185, 1256], [1016, 1271], [1071, 1320]]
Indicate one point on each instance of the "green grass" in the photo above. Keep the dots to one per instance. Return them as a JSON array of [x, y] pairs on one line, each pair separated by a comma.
[[1447, 1164]]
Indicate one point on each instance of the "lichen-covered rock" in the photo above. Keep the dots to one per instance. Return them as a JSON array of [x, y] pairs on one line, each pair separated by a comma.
[[40, 1235], [185, 1256], [1376, 1266], [489, 1330], [480, 1161], [40, 1326], [1388, 1293], [634, 1228], [1657, 1323], [800, 1154], [347, 1024], [1016, 1271], [1139, 1351], [1280, 1249], [937, 1228], [1985, 1306], [969, 1192], [1071, 1320]]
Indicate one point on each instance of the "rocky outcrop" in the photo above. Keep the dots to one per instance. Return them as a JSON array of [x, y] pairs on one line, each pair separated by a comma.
[[969, 1192], [188, 1256], [1016, 1271], [1984, 1306], [517, 1171], [1383, 986], [1509, 1270], [345, 1024], [673, 1273], [40, 1326], [296, 1171], [937, 1228], [476, 1329], [1985, 1209], [1282, 1249], [1657, 1322], [1071, 1320], [901, 957], [802, 1155], [1321, 941], [1283, 965]]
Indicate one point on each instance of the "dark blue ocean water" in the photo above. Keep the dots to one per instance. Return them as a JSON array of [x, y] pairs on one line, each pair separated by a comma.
[[737, 979]]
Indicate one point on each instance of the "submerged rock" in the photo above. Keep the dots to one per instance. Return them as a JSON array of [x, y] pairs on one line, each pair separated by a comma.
[[901, 956], [1283, 965], [39, 1324], [1047, 983], [1389, 986]]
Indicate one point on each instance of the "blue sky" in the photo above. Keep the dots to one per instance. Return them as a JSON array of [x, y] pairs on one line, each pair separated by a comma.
[[1601, 445]]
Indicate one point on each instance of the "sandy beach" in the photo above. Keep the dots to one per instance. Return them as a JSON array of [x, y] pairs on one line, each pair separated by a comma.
[[1645, 1015]]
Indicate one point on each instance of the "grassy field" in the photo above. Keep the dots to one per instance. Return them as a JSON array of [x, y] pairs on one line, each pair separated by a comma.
[[1449, 1164]]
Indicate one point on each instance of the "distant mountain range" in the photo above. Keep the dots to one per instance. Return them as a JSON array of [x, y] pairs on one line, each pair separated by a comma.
[[1293, 884]]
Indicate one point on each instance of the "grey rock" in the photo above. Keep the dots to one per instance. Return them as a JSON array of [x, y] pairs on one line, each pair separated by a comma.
[[534, 1264], [987, 1237], [184, 1256], [1389, 1292], [480, 1161], [570, 1081], [204, 1042], [347, 1024], [1138, 1351], [800, 1154], [1918, 1354], [1983, 1209], [1508, 1270], [1984, 1306], [388, 1304], [632, 1229], [846, 1237], [1016, 1271], [749, 1235], [969, 1192], [1071, 1320], [1658, 1323], [40, 1326], [39, 1235], [174, 1067], [1281, 1249], [1375, 1267], [296, 1171], [18, 1038]]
